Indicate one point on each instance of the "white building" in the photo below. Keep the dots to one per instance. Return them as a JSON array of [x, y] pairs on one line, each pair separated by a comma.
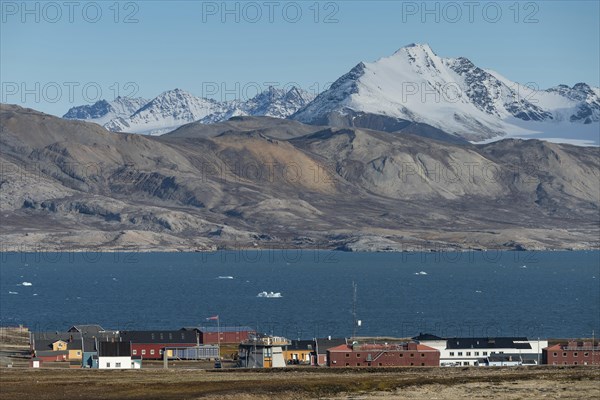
[[115, 355], [456, 352], [261, 351], [118, 363]]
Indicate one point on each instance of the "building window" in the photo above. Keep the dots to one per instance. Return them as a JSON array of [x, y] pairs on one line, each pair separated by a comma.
[[347, 355], [412, 364], [357, 355], [468, 353], [564, 354], [422, 354], [485, 353], [144, 352], [151, 351], [160, 352], [586, 354], [575, 354], [401, 355], [107, 365], [574, 362], [555, 354], [78, 353], [412, 355], [466, 363], [422, 364], [451, 354], [460, 353], [117, 365], [358, 364], [380, 364], [476, 353], [347, 364], [134, 352]]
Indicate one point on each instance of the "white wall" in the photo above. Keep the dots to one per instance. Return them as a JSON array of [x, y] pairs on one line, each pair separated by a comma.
[[111, 362], [445, 357], [278, 360]]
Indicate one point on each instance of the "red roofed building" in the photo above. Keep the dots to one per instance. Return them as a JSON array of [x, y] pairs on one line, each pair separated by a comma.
[[573, 353], [383, 355]]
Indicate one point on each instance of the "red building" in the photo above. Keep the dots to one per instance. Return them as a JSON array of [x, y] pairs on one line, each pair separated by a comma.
[[573, 353], [151, 344], [229, 334], [383, 355], [321, 347]]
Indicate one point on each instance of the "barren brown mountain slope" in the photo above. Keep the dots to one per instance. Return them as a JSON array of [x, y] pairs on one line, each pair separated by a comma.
[[68, 184]]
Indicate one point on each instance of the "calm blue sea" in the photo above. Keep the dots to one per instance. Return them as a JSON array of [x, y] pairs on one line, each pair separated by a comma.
[[536, 294]]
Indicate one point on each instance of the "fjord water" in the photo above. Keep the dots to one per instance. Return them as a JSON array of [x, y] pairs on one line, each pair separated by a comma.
[[536, 294]]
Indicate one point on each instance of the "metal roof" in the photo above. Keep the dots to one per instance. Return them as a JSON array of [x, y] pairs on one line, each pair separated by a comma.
[[114, 349], [324, 344], [222, 329], [180, 336], [488, 343]]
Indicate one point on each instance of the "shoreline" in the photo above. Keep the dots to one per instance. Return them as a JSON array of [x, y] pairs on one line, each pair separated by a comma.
[[276, 249]]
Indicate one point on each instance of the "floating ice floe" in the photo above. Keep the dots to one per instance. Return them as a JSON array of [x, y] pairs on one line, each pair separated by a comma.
[[13, 292], [269, 294], [27, 284], [523, 266], [478, 291], [421, 273], [225, 277]]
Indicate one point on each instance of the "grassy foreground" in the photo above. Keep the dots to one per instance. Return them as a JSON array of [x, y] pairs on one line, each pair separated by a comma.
[[414, 383]]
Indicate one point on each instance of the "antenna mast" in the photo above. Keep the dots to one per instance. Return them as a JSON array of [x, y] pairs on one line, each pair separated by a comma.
[[354, 321]]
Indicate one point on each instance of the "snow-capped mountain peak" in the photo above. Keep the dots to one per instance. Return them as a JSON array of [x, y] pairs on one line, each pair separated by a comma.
[[103, 111], [451, 94], [176, 107]]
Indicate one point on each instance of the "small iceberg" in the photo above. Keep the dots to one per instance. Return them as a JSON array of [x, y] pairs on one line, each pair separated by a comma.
[[524, 266], [478, 291], [225, 277], [13, 292], [269, 294], [421, 273], [27, 284]]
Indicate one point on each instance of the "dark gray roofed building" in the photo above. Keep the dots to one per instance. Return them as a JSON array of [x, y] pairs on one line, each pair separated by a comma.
[[166, 337], [488, 343]]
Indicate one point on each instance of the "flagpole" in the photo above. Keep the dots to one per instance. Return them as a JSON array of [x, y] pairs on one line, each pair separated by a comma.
[[219, 335]]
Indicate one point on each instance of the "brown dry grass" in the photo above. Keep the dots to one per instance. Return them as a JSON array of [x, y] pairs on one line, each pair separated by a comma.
[[415, 383]]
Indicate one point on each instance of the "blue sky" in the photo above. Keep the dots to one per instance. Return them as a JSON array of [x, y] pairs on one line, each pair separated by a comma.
[[54, 57]]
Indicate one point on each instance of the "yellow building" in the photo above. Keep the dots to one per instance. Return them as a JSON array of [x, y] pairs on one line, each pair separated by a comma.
[[74, 349], [298, 352], [74, 355], [59, 345]]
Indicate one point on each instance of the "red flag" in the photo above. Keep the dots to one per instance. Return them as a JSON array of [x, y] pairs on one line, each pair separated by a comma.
[[212, 318]]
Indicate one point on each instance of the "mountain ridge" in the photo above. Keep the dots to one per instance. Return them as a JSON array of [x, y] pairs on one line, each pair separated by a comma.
[[260, 182]]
